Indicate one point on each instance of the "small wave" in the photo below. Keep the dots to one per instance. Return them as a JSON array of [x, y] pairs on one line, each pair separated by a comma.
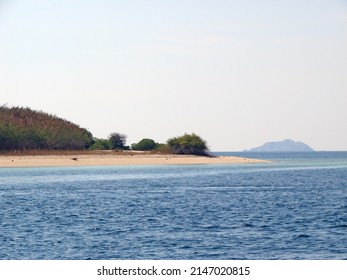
[[248, 225], [300, 236], [340, 226]]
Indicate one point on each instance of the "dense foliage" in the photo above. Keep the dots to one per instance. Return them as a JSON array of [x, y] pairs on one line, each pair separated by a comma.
[[145, 144], [188, 144], [101, 144], [24, 129]]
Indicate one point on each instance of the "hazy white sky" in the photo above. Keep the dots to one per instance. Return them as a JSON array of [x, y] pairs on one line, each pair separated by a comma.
[[238, 73]]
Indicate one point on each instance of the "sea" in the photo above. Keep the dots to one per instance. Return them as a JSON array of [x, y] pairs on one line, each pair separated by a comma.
[[294, 207]]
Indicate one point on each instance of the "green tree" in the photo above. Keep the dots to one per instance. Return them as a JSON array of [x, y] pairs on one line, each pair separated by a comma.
[[118, 141], [190, 144], [145, 144]]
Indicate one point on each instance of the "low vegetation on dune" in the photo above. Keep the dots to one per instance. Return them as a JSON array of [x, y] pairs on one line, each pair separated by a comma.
[[24, 129]]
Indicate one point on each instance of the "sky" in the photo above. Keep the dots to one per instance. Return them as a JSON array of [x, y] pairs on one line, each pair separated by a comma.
[[237, 73]]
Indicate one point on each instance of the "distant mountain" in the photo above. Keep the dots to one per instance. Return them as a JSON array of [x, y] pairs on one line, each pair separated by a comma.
[[283, 146]]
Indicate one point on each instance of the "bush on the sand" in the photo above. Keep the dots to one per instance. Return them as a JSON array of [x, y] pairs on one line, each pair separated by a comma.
[[145, 144], [191, 144], [101, 144]]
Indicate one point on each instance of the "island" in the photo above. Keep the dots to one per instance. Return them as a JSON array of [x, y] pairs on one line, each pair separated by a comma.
[[287, 145], [30, 138]]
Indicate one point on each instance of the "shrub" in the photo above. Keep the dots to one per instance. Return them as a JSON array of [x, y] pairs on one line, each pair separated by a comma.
[[100, 144], [145, 144], [188, 144]]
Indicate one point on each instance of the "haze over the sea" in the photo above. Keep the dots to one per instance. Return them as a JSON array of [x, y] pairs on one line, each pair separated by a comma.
[[237, 73]]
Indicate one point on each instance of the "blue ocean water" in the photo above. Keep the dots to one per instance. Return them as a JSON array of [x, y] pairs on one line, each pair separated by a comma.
[[292, 208]]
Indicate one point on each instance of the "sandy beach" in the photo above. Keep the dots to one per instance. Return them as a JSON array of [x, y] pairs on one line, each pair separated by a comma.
[[116, 159]]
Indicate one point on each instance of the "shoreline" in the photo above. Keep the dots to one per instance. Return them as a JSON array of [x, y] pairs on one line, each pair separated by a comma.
[[109, 159]]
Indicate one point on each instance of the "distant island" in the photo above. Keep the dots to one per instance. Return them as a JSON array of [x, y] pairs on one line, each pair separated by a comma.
[[287, 145]]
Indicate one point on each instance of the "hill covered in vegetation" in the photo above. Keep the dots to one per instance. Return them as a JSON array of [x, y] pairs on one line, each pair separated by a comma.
[[26, 129]]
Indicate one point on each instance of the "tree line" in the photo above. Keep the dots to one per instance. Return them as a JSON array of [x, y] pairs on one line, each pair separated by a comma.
[[26, 129], [186, 144]]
